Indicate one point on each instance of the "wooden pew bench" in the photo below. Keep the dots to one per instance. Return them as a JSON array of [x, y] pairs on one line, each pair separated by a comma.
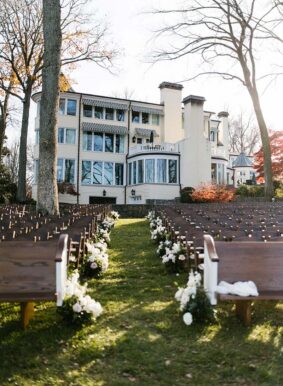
[[32, 272], [254, 261]]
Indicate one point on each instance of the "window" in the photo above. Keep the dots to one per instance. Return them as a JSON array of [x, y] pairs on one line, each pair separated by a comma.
[[67, 136], [172, 171], [109, 114], [97, 173], [97, 142], [130, 173], [70, 136], [36, 136], [155, 119], [119, 174], [66, 170], [71, 107], [120, 115], [38, 109], [108, 173], [145, 118], [135, 116], [119, 143], [109, 143], [161, 171], [87, 111], [212, 136], [140, 171], [60, 169], [98, 112], [87, 140], [86, 172], [134, 172], [149, 170], [62, 103], [69, 171], [139, 141]]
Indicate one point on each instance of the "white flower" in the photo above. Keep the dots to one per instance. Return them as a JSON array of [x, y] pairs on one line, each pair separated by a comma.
[[93, 265], [178, 294], [77, 307], [182, 257], [187, 318]]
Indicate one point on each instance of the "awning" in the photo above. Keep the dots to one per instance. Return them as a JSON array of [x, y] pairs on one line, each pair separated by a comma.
[[146, 133], [111, 105], [147, 110], [101, 128]]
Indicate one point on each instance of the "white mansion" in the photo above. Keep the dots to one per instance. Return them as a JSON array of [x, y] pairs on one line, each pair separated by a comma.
[[126, 151]]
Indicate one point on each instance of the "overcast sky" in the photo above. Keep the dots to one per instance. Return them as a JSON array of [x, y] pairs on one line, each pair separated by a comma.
[[132, 31]]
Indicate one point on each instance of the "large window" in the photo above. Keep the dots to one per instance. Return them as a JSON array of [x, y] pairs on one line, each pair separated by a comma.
[[71, 107], [130, 173], [149, 171], [145, 118], [97, 142], [66, 136], [135, 116], [120, 143], [109, 114], [119, 174], [86, 172], [106, 173], [62, 103], [155, 119], [87, 140], [120, 115], [98, 112], [66, 170], [134, 172], [172, 171], [140, 171], [161, 171], [97, 173], [87, 111], [109, 143]]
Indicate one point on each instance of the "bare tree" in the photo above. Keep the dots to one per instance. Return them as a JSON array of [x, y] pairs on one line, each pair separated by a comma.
[[227, 35], [47, 192], [21, 49], [243, 135]]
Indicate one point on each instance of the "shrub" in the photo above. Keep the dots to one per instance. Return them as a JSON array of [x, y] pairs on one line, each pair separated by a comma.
[[279, 192], [212, 193], [8, 189], [186, 194], [250, 191]]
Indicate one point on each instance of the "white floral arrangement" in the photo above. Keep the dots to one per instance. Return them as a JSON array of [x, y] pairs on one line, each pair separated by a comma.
[[159, 234], [151, 215], [96, 262], [194, 302], [103, 235], [161, 250], [79, 307], [174, 257], [107, 223], [156, 222], [115, 215]]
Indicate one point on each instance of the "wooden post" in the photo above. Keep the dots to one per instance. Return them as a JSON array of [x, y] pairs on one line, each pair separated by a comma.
[[27, 311], [243, 311]]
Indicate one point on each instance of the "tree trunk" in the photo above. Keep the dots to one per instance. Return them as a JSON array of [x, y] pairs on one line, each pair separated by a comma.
[[2, 134], [21, 193], [47, 191], [267, 162]]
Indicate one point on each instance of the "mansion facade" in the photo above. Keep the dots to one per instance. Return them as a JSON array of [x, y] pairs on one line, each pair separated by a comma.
[[115, 150]]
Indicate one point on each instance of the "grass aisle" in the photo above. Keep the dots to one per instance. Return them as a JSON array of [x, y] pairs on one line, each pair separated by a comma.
[[141, 339]]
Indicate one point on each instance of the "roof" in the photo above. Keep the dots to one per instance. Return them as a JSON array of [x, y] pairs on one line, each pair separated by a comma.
[[146, 132], [242, 161]]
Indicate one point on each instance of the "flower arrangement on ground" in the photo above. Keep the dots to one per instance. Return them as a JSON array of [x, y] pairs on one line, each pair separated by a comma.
[[194, 302], [159, 234], [174, 257], [96, 261], [115, 215], [78, 307], [150, 216]]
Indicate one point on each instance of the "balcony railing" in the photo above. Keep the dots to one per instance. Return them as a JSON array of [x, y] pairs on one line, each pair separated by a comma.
[[151, 148]]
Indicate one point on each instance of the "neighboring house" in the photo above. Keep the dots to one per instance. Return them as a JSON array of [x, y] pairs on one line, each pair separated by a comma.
[[244, 173], [127, 151]]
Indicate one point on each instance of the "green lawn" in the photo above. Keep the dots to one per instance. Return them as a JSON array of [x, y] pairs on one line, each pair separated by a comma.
[[141, 339]]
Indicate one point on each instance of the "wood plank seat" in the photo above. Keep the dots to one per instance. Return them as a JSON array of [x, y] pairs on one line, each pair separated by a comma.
[[254, 261], [32, 272]]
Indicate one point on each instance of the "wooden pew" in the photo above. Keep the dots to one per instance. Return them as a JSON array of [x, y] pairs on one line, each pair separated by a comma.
[[32, 272], [259, 262]]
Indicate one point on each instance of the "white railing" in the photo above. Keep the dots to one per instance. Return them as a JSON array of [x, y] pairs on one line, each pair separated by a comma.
[[149, 148]]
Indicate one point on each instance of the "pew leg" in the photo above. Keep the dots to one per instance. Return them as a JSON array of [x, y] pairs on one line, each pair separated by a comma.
[[243, 311], [27, 311]]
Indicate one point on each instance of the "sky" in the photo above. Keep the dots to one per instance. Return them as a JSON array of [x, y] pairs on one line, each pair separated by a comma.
[[131, 31]]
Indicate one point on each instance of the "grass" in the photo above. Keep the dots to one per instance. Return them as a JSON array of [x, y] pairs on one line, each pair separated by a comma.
[[141, 339]]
